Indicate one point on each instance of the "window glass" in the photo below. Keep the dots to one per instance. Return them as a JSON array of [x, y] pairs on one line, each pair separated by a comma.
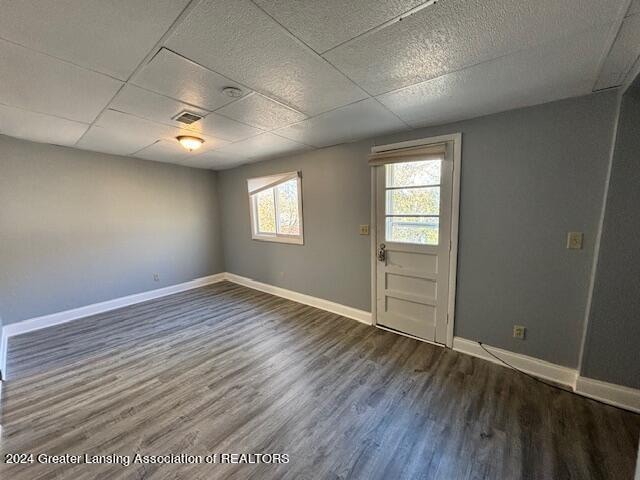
[[288, 218], [422, 230], [412, 174], [266, 211], [413, 201], [276, 208]]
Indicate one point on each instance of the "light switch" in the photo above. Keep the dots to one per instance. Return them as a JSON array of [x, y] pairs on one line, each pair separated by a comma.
[[364, 229], [574, 240]]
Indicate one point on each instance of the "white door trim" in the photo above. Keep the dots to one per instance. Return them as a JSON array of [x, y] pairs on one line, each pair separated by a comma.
[[456, 138]]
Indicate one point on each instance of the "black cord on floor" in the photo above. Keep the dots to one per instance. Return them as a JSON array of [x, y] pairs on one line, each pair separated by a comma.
[[529, 375], [572, 392]]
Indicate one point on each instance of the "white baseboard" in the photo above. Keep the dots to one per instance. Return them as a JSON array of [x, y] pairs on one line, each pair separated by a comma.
[[533, 366], [337, 308], [617, 395], [609, 393], [68, 315]]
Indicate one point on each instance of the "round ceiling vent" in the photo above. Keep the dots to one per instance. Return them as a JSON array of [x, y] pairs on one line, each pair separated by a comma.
[[232, 92]]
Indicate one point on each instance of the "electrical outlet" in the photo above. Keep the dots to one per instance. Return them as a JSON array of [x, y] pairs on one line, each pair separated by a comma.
[[364, 229], [156, 277], [519, 332], [574, 240]]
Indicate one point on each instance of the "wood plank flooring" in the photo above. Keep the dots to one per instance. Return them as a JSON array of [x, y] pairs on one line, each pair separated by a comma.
[[226, 369]]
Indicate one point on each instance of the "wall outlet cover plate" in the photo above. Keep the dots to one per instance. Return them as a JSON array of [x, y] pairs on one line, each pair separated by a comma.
[[574, 240]]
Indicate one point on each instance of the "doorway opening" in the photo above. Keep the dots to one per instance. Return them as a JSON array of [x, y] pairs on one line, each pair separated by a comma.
[[415, 198]]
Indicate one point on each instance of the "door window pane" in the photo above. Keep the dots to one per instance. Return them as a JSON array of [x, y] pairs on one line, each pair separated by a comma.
[[412, 174], [287, 197], [421, 230], [266, 211], [413, 201]]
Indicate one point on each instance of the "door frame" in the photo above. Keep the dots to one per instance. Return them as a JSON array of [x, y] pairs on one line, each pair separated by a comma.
[[456, 138]]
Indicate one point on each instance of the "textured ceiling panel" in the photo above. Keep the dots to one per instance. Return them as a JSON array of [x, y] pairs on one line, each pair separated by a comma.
[[39, 127], [452, 60], [623, 54], [129, 123], [114, 141], [124, 134], [451, 35], [164, 151], [325, 24], [37, 82], [110, 37], [177, 77], [345, 124], [261, 112], [560, 69], [214, 159], [240, 41], [222, 127], [262, 146], [152, 106]]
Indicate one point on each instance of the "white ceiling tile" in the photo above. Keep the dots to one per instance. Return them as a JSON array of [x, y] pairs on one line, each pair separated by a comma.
[[152, 106], [114, 141], [451, 35], [345, 124], [164, 151], [262, 146], [261, 112], [325, 24], [214, 159], [222, 127], [180, 78], [123, 134], [622, 56], [559, 69], [115, 120], [240, 41], [39, 127], [217, 130], [37, 82], [110, 37]]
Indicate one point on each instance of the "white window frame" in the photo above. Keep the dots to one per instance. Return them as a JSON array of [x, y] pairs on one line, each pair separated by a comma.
[[277, 237]]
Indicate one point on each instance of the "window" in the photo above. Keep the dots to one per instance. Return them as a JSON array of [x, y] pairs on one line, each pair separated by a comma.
[[413, 202], [276, 208]]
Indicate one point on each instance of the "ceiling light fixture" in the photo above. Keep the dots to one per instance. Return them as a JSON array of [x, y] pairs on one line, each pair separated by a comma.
[[232, 92], [190, 143]]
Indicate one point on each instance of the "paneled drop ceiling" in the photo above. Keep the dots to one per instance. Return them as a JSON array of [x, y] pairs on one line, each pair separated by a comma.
[[112, 76]]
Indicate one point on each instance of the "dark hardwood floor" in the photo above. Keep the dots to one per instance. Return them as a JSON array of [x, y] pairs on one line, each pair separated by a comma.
[[226, 369]]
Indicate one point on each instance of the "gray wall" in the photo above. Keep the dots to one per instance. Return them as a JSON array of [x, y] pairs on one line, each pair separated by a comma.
[[528, 177], [612, 347], [333, 263], [79, 227]]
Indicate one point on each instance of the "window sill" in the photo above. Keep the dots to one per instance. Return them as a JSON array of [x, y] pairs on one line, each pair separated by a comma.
[[289, 240]]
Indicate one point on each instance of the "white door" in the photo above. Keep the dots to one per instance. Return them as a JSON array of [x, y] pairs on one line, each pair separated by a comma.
[[413, 208]]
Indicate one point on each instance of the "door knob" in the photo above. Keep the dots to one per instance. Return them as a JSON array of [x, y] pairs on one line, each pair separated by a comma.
[[382, 253]]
